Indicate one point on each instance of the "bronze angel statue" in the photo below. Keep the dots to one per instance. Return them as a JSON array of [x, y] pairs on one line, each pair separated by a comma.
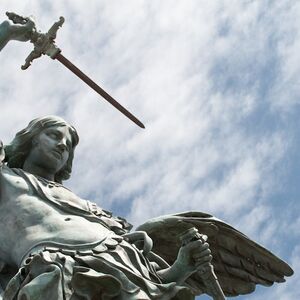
[[58, 246], [55, 245]]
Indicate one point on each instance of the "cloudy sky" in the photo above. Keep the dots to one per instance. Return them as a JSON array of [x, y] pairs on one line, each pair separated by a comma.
[[216, 84]]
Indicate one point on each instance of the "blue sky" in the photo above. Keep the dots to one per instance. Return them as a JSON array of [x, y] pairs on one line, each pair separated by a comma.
[[215, 82]]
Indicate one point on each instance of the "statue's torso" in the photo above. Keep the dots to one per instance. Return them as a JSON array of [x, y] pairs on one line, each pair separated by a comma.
[[26, 219]]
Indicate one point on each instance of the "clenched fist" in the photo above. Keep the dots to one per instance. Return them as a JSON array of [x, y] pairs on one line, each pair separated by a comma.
[[10, 30], [194, 256]]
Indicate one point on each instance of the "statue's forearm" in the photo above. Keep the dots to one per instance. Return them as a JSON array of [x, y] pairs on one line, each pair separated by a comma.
[[175, 273], [4, 34]]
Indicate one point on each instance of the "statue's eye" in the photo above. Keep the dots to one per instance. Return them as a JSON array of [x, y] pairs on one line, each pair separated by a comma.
[[53, 135]]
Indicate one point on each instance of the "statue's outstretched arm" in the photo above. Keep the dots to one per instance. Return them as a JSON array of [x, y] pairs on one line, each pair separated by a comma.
[[19, 29]]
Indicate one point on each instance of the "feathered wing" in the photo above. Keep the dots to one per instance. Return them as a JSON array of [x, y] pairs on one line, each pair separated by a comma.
[[239, 262]]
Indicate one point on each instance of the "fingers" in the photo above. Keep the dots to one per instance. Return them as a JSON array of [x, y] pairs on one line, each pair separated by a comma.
[[20, 32], [202, 257], [197, 246], [200, 252], [199, 255], [203, 260]]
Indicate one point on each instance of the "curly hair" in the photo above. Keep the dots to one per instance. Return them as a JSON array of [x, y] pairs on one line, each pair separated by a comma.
[[17, 151]]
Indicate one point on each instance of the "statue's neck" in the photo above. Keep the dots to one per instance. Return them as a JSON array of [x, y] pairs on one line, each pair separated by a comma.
[[37, 170]]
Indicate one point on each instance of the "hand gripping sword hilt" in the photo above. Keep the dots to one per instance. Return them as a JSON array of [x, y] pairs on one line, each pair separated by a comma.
[[206, 273], [17, 19], [43, 42]]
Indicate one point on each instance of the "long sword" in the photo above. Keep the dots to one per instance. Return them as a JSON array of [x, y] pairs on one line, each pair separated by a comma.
[[44, 43]]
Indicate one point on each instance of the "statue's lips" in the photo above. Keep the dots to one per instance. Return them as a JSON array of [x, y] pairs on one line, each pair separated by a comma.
[[57, 153]]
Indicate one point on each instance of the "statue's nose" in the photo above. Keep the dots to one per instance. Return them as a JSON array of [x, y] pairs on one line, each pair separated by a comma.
[[62, 145]]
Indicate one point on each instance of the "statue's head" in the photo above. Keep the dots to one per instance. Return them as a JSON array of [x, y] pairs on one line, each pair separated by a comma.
[[20, 148]]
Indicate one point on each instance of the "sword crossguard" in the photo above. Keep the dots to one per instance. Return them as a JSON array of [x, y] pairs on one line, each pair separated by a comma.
[[43, 42]]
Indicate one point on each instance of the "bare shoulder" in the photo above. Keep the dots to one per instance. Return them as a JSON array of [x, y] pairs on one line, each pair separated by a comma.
[[11, 184]]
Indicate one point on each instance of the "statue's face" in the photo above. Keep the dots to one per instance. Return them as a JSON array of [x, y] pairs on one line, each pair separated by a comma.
[[51, 148]]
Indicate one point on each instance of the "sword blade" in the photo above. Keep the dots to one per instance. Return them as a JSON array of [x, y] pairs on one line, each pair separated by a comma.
[[62, 59]]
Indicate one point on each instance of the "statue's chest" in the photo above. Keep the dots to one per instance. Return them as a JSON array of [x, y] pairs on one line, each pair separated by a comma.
[[62, 195], [14, 187]]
